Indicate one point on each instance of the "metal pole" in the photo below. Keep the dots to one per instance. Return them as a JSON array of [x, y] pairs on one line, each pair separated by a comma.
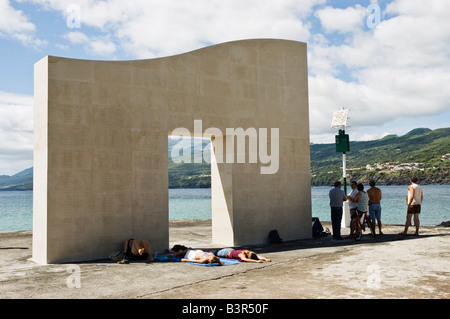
[[344, 171], [346, 208], [344, 165]]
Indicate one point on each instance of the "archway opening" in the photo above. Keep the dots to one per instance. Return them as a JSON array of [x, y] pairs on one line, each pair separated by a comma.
[[190, 202]]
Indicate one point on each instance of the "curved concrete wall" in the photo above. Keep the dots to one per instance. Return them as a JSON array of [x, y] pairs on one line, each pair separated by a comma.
[[101, 159]]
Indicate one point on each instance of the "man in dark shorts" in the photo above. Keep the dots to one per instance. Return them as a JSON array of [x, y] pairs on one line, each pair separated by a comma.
[[414, 202], [374, 205]]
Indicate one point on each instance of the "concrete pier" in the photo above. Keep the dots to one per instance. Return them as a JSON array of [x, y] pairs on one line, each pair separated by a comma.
[[389, 266]]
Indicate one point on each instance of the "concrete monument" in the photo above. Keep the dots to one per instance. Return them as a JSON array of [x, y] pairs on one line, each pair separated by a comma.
[[101, 146]]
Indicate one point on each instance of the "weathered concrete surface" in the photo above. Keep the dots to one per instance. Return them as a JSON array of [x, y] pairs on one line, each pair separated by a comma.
[[388, 266]]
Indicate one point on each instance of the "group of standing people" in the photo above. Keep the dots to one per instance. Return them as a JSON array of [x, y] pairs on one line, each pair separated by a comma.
[[361, 201]]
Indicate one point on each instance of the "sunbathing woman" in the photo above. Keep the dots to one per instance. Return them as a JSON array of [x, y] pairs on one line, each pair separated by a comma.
[[241, 255], [201, 257]]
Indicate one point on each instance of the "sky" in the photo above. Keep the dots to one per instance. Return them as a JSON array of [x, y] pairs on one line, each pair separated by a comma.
[[387, 61]]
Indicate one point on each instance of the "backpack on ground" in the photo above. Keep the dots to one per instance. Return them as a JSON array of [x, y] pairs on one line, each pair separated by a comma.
[[274, 237], [116, 256], [317, 228]]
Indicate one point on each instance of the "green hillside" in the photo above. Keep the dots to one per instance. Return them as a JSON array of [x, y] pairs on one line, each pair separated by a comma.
[[189, 175], [19, 181], [391, 160]]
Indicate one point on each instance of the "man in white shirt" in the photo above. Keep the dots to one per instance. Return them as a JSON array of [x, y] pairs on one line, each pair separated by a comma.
[[352, 195]]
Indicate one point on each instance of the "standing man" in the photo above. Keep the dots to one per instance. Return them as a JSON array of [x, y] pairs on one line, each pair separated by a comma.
[[352, 205], [414, 202], [337, 198], [374, 204]]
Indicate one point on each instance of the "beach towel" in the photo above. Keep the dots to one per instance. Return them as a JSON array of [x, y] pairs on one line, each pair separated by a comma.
[[225, 261], [166, 258]]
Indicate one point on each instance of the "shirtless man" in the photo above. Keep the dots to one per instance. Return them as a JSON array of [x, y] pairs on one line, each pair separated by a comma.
[[374, 204]]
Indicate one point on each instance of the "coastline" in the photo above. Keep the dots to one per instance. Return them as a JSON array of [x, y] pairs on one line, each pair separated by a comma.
[[380, 183], [315, 268]]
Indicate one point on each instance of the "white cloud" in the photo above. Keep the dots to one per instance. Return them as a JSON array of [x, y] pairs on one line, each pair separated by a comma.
[[150, 28], [350, 19], [13, 21], [16, 131], [77, 37], [101, 45], [399, 70], [14, 24]]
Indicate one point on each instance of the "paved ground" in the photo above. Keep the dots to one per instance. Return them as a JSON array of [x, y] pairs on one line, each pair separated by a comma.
[[387, 266]]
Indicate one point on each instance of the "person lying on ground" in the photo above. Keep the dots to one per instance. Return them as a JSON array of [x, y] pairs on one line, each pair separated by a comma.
[[201, 257], [241, 254]]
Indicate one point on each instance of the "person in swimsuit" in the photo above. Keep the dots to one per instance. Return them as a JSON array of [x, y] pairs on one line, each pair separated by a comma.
[[375, 196], [201, 257], [241, 255]]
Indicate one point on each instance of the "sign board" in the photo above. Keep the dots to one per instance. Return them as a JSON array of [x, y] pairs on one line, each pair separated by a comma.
[[342, 142], [340, 118]]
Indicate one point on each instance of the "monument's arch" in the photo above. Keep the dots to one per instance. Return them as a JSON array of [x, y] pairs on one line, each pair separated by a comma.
[[100, 153]]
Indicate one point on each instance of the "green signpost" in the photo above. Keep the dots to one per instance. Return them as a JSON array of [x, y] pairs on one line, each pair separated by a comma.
[[342, 140], [343, 146]]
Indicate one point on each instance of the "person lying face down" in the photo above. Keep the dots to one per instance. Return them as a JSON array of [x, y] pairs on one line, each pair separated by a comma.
[[241, 254]]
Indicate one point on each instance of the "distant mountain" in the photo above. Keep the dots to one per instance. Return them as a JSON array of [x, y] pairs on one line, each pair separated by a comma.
[[391, 160], [189, 175], [20, 181]]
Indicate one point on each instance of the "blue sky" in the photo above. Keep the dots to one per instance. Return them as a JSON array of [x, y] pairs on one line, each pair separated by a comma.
[[387, 61]]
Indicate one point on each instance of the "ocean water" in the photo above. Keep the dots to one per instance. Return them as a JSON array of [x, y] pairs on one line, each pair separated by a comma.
[[189, 203], [16, 208]]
